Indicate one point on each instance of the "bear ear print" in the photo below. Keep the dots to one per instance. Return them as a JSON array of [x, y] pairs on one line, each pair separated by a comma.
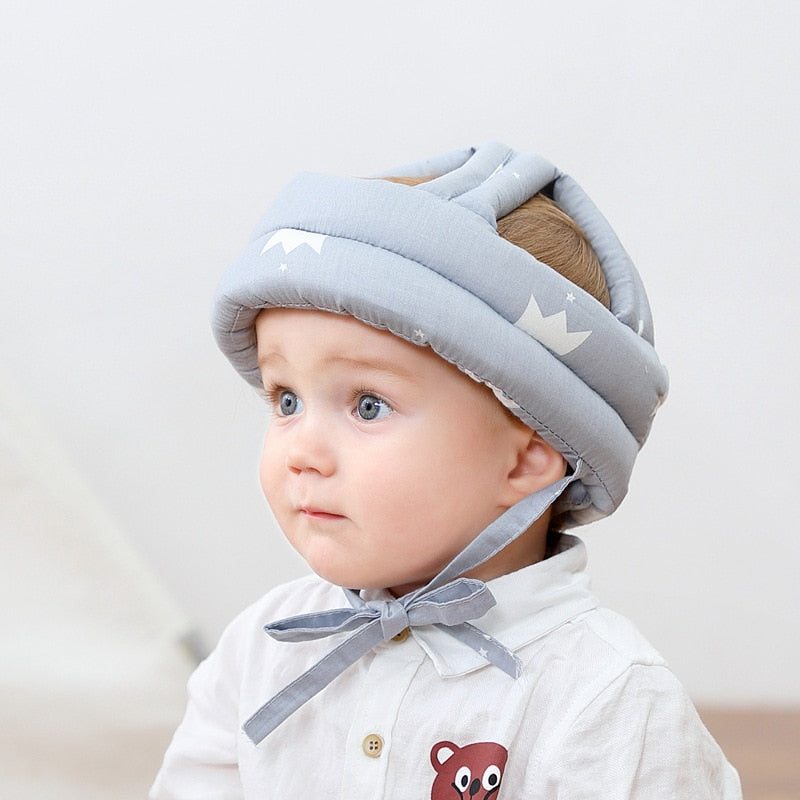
[[441, 752]]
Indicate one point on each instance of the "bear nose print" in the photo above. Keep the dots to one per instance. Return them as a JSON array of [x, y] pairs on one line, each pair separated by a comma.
[[474, 787]]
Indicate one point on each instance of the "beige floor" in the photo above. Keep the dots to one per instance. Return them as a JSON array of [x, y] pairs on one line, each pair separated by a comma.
[[764, 746]]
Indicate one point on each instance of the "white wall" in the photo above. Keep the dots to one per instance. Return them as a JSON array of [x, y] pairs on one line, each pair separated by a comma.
[[92, 669], [141, 142]]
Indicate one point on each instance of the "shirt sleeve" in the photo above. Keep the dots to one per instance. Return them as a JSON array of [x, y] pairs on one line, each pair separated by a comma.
[[202, 759], [640, 739]]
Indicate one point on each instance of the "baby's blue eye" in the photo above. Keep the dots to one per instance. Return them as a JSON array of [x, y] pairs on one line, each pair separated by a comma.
[[369, 407], [289, 403]]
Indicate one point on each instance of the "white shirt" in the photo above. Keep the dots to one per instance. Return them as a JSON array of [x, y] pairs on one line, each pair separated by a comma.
[[596, 712]]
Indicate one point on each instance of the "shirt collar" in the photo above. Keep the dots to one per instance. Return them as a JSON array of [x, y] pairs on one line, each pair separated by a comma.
[[531, 602]]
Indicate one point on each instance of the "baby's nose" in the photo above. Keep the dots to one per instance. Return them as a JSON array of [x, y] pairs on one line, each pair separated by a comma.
[[310, 450]]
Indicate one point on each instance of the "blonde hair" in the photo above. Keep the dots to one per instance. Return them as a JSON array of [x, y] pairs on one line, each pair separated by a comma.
[[541, 228]]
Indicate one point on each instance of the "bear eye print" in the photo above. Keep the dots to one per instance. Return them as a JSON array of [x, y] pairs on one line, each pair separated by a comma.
[[491, 777], [462, 779]]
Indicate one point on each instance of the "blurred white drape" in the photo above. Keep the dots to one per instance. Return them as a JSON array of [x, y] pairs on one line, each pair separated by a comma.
[[92, 665]]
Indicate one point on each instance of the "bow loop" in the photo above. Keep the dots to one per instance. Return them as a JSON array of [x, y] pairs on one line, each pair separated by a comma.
[[452, 604], [306, 627]]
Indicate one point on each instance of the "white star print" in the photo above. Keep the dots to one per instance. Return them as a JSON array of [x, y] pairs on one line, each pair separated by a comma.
[[570, 297], [419, 334], [283, 267], [483, 652]]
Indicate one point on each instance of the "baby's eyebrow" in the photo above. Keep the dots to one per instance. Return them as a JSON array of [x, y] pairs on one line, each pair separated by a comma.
[[388, 369], [270, 359]]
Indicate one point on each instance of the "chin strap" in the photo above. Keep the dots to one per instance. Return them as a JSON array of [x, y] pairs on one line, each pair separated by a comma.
[[448, 602]]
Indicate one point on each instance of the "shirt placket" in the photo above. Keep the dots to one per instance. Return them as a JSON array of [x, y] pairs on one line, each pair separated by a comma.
[[373, 738]]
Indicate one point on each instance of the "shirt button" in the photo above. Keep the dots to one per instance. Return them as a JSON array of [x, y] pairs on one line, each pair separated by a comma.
[[372, 745], [402, 636]]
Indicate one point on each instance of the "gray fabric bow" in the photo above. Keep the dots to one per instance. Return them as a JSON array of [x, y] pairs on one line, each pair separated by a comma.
[[448, 602]]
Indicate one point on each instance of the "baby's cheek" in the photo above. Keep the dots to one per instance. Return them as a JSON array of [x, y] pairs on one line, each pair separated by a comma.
[[268, 475]]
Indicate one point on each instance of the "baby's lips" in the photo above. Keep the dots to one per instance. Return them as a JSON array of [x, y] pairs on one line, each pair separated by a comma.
[[319, 513]]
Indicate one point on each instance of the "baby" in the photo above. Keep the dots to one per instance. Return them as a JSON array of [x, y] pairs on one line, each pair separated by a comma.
[[460, 366]]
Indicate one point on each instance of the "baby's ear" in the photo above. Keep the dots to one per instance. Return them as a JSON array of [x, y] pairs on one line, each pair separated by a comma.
[[538, 464]]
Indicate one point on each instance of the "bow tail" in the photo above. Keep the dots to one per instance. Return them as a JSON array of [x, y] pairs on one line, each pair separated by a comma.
[[311, 682], [485, 646]]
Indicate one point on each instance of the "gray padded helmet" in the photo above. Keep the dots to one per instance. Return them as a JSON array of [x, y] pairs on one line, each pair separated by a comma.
[[426, 263]]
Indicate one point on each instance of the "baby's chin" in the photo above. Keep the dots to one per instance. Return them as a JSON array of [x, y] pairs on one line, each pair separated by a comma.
[[397, 585]]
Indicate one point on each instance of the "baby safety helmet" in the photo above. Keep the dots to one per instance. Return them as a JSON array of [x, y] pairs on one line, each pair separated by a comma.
[[426, 263]]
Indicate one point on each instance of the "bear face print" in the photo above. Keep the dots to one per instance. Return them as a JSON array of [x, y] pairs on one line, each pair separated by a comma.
[[472, 772]]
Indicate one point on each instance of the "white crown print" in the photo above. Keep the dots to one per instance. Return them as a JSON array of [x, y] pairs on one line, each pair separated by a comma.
[[550, 331], [290, 238]]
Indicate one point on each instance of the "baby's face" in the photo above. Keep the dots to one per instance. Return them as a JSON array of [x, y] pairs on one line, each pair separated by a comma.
[[381, 460]]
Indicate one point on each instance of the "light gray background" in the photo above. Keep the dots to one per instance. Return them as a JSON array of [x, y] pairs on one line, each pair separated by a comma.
[[141, 142]]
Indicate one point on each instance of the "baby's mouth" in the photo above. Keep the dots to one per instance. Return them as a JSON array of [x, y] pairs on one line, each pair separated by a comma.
[[318, 513]]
